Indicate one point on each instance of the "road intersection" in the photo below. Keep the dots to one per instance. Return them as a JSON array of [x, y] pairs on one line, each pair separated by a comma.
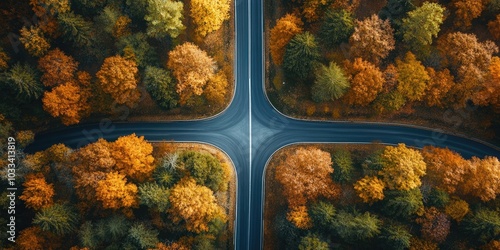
[[250, 130]]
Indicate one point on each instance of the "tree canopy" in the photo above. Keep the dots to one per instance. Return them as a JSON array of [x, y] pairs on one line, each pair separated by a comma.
[[330, 84], [164, 18]]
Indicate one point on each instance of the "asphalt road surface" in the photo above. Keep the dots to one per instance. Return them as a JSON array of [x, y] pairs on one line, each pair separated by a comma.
[[251, 130]]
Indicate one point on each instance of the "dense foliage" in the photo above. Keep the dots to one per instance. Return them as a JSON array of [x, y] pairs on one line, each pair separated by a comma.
[[396, 198]]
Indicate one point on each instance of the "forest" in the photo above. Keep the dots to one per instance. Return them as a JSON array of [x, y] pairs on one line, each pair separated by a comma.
[[125, 194], [374, 196], [432, 63], [68, 61]]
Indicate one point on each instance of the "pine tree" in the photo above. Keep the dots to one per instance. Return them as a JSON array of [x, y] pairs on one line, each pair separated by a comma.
[[143, 236], [301, 54], [330, 84], [24, 79], [160, 85], [75, 29], [154, 196], [59, 219], [337, 27]]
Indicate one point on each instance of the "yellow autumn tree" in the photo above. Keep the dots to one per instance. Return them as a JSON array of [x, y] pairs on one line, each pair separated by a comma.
[[68, 101], [402, 167], [457, 209], [57, 68], [121, 27], [280, 35], [366, 82], [118, 77], [133, 157], [37, 193], [194, 204], [300, 217], [482, 178], [370, 189], [413, 78], [115, 193], [192, 67], [305, 175], [445, 168], [208, 15], [216, 89], [34, 41]]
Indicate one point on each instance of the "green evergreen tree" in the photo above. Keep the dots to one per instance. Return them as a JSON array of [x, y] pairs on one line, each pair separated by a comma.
[[24, 80], [403, 204], [154, 196], [301, 55], [342, 165], [395, 237], [142, 236], [354, 228], [312, 242], [164, 18], [161, 86], [138, 47], [421, 25], [59, 219], [322, 214], [202, 242], [205, 169], [87, 235], [483, 225], [337, 27], [395, 11], [438, 198], [75, 29], [116, 227], [330, 84]]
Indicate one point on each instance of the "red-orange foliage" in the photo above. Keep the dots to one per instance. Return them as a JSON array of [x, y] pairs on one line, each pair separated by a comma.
[[444, 167], [466, 11], [490, 91], [482, 179], [494, 28], [435, 225], [68, 101], [280, 35], [305, 175], [440, 83], [37, 193], [57, 68], [366, 82], [33, 238]]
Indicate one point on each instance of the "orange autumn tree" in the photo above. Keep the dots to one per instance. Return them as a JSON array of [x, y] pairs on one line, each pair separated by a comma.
[[115, 193], [439, 84], [57, 68], [192, 67], [280, 35], [444, 167], [466, 11], [118, 77], [68, 101], [37, 193], [402, 167], [33, 238], [299, 216], [489, 94], [494, 27], [482, 179], [305, 175], [133, 157], [194, 204], [366, 82]]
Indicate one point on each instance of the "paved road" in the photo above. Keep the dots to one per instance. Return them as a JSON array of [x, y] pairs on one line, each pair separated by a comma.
[[250, 130]]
